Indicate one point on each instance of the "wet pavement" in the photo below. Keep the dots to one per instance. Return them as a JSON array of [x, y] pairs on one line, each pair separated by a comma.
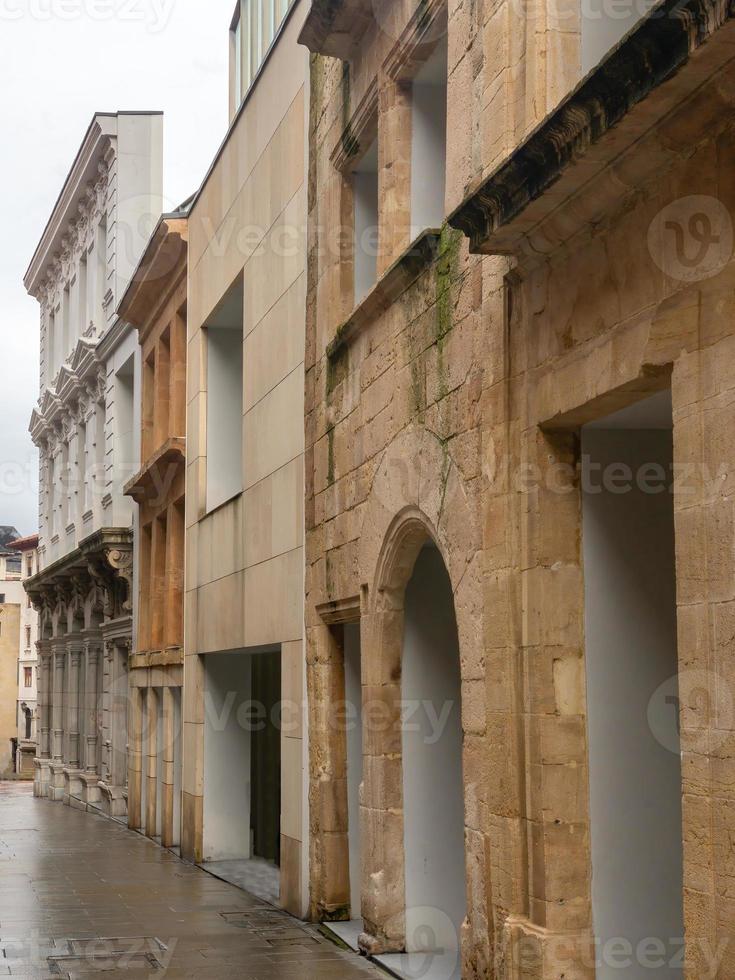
[[83, 896]]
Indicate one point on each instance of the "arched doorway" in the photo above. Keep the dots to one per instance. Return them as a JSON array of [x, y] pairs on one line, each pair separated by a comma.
[[432, 764]]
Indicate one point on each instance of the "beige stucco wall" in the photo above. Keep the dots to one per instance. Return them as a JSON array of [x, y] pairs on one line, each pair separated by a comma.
[[244, 561], [9, 648]]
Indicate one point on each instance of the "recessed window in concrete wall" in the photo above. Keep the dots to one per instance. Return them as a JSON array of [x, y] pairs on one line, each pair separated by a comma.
[[365, 196], [224, 338], [604, 23], [429, 142], [632, 691], [226, 757], [242, 767]]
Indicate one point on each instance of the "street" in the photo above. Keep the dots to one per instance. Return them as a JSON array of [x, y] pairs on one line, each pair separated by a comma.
[[84, 896]]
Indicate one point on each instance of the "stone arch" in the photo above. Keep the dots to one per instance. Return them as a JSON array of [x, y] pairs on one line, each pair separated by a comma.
[[417, 498]]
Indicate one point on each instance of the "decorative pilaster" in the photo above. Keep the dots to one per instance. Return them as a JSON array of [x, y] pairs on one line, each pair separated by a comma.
[[41, 773], [75, 658], [106, 710], [57, 711], [92, 660], [44, 699]]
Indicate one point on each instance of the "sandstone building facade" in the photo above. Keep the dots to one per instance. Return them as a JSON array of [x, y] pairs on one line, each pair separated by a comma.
[[85, 426], [243, 810], [155, 303], [518, 516]]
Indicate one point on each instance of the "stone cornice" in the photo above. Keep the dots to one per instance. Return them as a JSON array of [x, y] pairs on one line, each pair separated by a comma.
[[334, 27], [155, 476], [512, 201], [99, 571], [84, 174], [394, 281], [80, 381], [160, 269]]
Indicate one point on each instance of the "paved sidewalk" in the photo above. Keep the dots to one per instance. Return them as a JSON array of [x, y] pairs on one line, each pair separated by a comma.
[[83, 896]]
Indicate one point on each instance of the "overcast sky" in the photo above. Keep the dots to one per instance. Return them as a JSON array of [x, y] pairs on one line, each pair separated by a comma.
[[61, 61]]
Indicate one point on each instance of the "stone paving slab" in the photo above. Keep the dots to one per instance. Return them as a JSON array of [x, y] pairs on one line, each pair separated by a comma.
[[83, 896]]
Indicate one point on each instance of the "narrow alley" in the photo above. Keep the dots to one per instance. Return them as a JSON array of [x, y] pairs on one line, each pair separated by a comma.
[[83, 896]]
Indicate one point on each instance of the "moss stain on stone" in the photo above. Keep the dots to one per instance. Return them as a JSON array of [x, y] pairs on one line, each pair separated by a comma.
[[330, 457], [446, 271], [418, 402], [350, 143]]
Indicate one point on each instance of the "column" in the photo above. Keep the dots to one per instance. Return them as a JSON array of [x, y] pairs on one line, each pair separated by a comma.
[[135, 757], [43, 725], [119, 706], [106, 712], [167, 750], [75, 659], [394, 170], [44, 700], [151, 761], [57, 719], [91, 725]]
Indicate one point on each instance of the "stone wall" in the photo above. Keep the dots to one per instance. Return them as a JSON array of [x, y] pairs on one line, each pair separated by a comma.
[[447, 406]]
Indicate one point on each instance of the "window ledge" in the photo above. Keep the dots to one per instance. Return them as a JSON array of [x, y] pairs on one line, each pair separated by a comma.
[[148, 483], [223, 503], [394, 281]]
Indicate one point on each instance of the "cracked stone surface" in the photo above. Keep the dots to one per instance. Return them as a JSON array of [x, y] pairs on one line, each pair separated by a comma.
[[83, 896]]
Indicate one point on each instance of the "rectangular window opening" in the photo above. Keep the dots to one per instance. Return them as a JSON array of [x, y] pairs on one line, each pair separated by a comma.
[[224, 339], [429, 142], [365, 198]]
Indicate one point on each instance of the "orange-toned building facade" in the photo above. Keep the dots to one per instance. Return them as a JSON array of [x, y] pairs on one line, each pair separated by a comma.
[[155, 304]]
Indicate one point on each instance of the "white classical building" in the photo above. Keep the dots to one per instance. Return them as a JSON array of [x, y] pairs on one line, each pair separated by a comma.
[[85, 426]]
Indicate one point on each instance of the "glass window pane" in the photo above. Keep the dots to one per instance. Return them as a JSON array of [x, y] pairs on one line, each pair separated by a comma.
[[238, 61]]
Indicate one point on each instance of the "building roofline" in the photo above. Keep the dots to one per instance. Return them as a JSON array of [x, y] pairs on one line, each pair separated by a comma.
[[90, 151], [653, 52], [236, 118], [154, 265], [24, 544]]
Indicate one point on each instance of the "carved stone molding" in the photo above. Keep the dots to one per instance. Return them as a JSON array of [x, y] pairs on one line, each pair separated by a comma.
[[95, 579]]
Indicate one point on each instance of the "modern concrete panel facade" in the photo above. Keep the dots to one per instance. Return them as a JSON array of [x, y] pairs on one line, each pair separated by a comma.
[[584, 267], [86, 427], [244, 554], [155, 303]]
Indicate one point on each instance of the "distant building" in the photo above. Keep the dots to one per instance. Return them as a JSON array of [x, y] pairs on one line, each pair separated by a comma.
[[27, 686], [12, 598], [85, 426]]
